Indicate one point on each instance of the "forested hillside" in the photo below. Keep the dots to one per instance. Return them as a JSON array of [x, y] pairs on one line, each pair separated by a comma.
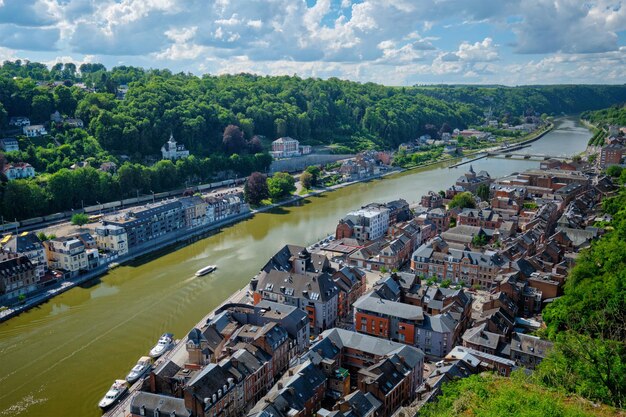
[[129, 113], [196, 109], [614, 115]]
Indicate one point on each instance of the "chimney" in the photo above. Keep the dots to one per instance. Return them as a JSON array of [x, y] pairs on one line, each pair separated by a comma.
[[280, 385]]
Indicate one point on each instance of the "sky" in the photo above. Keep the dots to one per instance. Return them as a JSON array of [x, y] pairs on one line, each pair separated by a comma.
[[393, 42]]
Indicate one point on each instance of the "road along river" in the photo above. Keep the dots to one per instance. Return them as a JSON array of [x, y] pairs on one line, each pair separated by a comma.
[[58, 360]]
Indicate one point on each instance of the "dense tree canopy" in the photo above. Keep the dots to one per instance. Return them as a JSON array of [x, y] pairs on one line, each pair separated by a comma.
[[136, 120], [255, 189], [463, 200], [281, 185]]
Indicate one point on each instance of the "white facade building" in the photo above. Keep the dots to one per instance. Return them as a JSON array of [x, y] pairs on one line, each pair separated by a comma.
[[9, 145], [171, 150], [18, 171], [34, 131], [112, 238], [66, 253], [288, 147], [370, 223]]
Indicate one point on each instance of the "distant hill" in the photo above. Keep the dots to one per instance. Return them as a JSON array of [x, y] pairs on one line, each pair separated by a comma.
[[333, 111]]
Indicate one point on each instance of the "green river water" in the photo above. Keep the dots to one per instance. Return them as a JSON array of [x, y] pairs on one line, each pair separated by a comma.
[[57, 360]]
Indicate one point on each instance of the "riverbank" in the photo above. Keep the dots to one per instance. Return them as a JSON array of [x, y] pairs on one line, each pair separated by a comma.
[[537, 136], [148, 248], [185, 237]]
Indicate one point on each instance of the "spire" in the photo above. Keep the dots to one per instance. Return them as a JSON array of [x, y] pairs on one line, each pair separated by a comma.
[[472, 169]]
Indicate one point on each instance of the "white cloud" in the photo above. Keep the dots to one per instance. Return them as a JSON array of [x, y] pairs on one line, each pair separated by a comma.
[[484, 51], [395, 42]]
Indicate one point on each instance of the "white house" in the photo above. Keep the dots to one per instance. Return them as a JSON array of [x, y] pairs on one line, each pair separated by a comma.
[[287, 147], [34, 131], [19, 121], [173, 151], [9, 145], [20, 170]]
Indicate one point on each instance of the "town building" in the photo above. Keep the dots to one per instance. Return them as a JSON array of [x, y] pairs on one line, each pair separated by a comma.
[[315, 293], [67, 254], [387, 313], [612, 154], [73, 122], [18, 276], [195, 209], [471, 181], [19, 171], [32, 131], [148, 404], [150, 222], [27, 244], [287, 147], [367, 223], [171, 150], [431, 200], [527, 350], [293, 320], [388, 371], [112, 238], [9, 145], [436, 259], [224, 206], [351, 283]]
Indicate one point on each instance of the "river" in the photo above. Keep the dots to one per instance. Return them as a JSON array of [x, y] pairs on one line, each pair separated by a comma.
[[57, 360]]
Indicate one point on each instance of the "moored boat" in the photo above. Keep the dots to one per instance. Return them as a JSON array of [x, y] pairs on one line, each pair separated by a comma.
[[206, 270], [114, 393], [140, 369], [165, 343]]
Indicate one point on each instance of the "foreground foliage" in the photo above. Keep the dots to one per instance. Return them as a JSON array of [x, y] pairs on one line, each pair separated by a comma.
[[490, 395]]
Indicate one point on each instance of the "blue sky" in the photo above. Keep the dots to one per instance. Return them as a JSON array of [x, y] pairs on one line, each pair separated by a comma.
[[394, 42]]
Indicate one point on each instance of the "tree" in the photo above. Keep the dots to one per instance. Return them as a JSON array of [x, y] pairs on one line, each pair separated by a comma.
[[614, 171], [306, 179], [79, 219], [281, 185], [256, 189], [255, 145], [64, 100], [233, 139], [315, 172], [463, 200], [483, 192], [479, 240]]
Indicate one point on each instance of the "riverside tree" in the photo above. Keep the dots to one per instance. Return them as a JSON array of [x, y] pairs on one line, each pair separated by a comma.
[[306, 179], [281, 185], [256, 190]]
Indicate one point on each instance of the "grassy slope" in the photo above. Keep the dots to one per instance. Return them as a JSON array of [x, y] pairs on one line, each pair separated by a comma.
[[493, 396]]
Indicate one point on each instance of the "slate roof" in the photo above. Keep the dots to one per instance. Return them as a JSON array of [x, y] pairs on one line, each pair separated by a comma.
[[167, 406], [530, 345], [24, 242], [372, 303], [282, 260], [334, 340], [361, 404], [310, 286], [480, 337]]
